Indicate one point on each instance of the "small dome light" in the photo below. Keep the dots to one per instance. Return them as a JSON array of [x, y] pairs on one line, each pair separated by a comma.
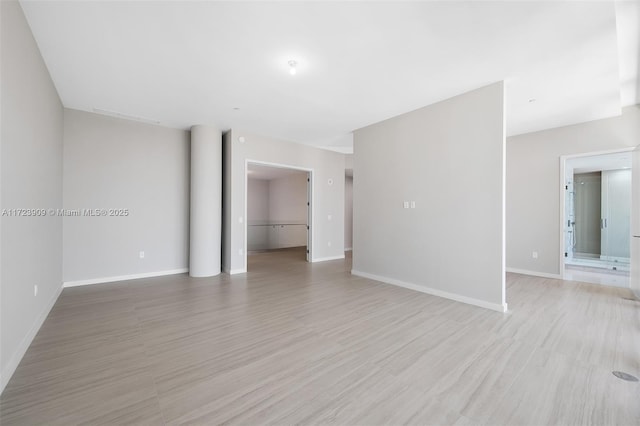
[[292, 67]]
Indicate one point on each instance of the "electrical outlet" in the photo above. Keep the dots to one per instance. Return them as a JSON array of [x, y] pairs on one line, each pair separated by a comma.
[[405, 204], [534, 254], [35, 290], [413, 204], [142, 255]]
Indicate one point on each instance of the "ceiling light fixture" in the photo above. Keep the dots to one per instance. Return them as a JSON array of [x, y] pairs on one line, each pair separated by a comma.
[[532, 100], [292, 67]]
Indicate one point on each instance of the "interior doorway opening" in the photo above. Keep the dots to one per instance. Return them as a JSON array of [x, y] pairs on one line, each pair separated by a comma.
[[279, 210], [596, 234]]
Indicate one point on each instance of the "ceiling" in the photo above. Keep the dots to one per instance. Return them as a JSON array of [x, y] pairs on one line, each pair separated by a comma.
[[225, 64], [257, 171]]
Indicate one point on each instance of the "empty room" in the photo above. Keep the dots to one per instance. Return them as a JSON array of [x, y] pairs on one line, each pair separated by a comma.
[[310, 212]]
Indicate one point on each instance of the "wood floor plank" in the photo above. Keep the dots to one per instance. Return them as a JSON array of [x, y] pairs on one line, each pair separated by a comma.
[[293, 342]]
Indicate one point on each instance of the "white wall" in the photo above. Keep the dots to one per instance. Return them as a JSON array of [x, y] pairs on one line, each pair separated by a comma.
[[452, 243], [281, 200], [257, 214], [328, 199], [348, 213], [348, 162], [533, 184], [288, 199], [111, 163], [31, 178], [257, 201]]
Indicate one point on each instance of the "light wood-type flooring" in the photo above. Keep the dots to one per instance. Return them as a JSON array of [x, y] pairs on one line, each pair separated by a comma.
[[298, 343]]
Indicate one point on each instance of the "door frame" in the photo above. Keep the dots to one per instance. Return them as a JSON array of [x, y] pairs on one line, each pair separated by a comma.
[[563, 167], [310, 200], [634, 273]]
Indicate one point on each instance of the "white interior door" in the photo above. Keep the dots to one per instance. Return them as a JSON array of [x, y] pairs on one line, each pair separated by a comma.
[[635, 223]]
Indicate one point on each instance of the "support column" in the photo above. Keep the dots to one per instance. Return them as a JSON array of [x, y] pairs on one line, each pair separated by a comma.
[[206, 202]]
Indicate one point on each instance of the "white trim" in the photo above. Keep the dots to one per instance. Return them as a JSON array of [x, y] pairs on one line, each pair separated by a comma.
[[503, 230], [237, 271], [324, 259], [124, 277], [348, 249], [13, 363], [598, 153], [311, 217], [535, 273], [434, 292], [563, 183]]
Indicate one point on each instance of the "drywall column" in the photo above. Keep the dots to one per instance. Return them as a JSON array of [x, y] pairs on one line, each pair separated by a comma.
[[206, 201]]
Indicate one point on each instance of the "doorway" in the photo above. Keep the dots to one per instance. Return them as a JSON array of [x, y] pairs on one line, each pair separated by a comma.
[[597, 218], [279, 210]]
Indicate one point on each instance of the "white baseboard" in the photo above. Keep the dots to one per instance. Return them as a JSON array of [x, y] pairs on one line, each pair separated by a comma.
[[434, 292], [125, 277], [349, 249], [11, 366], [534, 273], [237, 271], [324, 259]]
